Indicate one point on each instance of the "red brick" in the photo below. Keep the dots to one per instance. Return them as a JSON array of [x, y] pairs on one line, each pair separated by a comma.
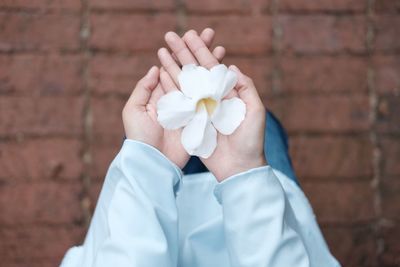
[[352, 246], [322, 5], [322, 114], [37, 245], [323, 33], [47, 159], [324, 74], [130, 32], [102, 156], [32, 203], [94, 192], [391, 252], [42, 4], [391, 198], [386, 71], [388, 120], [391, 156], [107, 119], [129, 4], [341, 202], [40, 116], [259, 69], [40, 75], [118, 74], [237, 6], [387, 6], [237, 33], [387, 32], [332, 157], [27, 31]]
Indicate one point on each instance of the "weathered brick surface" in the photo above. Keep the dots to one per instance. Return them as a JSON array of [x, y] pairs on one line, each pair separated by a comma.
[[353, 246], [118, 74], [45, 202], [130, 32], [341, 202], [387, 6], [259, 69], [34, 75], [234, 6], [74, 5], [323, 33], [387, 33], [37, 245], [387, 69], [40, 116], [328, 69], [388, 114], [328, 157], [326, 74], [39, 31], [322, 5], [237, 33], [391, 154], [103, 154], [137, 4], [46, 159], [391, 252], [107, 119], [391, 198], [323, 114]]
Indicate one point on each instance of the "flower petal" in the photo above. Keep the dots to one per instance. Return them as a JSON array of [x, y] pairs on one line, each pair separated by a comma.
[[209, 143], [194, 82], [228, 115], [193, 133], [175, 110], [223, 80]]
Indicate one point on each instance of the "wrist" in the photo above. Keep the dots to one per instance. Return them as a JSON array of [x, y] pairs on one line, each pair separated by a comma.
[[237, 167]]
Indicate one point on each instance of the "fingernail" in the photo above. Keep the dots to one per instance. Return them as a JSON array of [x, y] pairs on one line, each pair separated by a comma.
[[152, 69]]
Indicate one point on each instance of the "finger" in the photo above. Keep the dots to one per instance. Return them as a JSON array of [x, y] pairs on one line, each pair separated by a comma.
[[246, 89], [157, 93], [207, 35], [166, 81], [231, 94], [219, 53], [144, 88], [169, 64], [200, 50], [179, 49]]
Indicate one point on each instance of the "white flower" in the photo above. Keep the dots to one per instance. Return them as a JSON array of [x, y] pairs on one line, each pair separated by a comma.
[[199, 107]]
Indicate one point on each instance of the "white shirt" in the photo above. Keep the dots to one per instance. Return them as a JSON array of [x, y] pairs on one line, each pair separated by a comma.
[[150, 214]]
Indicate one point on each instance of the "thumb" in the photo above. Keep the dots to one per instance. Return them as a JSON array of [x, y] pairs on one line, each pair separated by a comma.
[[246, 88], [142, 92]]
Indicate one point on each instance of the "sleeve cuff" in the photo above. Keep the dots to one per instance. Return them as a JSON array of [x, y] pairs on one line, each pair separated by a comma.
[[146, 160], [241, 181]]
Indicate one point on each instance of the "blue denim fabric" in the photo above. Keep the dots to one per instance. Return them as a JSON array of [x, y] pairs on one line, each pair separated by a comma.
[[275, 147]]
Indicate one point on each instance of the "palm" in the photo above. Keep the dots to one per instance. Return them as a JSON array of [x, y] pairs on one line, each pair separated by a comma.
[[243, 143], [167, 141]]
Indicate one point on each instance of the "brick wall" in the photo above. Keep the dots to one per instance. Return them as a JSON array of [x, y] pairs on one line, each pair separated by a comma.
[[329, 69]]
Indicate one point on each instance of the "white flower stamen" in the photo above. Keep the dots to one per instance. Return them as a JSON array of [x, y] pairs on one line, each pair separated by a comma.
[[209, 103]]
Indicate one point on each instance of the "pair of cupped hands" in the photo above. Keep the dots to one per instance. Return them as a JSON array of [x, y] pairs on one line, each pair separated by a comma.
[[235, 153]]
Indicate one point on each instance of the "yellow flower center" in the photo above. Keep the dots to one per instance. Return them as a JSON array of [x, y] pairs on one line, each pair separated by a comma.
[[209, 103]]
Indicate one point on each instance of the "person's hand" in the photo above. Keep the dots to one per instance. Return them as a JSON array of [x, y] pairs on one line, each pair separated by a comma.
[[244, 149], [140, 116]]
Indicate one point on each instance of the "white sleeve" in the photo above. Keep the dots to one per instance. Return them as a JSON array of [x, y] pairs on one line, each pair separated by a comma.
[[135, 221], [260, 226]]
